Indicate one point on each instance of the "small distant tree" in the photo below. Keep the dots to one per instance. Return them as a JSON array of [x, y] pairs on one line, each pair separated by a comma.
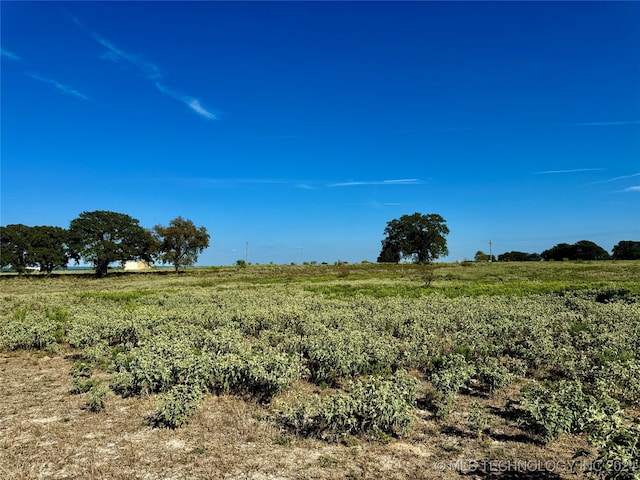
[[420, 238], [480, 256], [181, 242], [626, 250], [519, 257], [102, 237]]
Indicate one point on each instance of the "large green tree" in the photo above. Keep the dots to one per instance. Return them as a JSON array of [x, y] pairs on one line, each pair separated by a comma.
[[419, 238], [626, 250], [102, 237], [15, 241], [48, 247], [180, 242]]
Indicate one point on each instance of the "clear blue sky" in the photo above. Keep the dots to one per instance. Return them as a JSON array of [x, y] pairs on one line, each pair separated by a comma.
[[303, 128]]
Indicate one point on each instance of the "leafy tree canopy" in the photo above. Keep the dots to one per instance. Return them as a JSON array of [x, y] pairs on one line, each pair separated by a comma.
[[418, 237], [180, 242], [103, 237], [626, 250], [519, 257], [48, 247], [582, 250], [14, 247]]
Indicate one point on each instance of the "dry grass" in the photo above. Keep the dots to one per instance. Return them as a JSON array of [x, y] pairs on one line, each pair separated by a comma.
[[46, 433]]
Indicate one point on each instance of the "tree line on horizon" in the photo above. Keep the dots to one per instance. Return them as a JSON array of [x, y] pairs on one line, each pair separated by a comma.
[[422, 238], [103, 237], [581, 250], [100, 238]]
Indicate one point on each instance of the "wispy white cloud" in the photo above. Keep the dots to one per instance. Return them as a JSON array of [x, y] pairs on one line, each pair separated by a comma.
[[615, 179], [573, 170], [115, 54], [304, 186], [59, 86], [605, 124], [193, 103], [635, 188], [402, 181], [10, 55], [148, 69]]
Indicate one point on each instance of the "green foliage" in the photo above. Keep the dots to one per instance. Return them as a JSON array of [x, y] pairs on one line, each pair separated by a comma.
[[177, 406], [626, 250], [332, 355], [41, 246], [451, 373], [478, 417], [29, 329], [48, 247], [180, 242], [582, 250], [519, 257], [418, 237], [492, 374], [96, 397], [563, 407], [256, 332], [103, 237], [261, 374], [371, 406], [14, 247], [619, 453]]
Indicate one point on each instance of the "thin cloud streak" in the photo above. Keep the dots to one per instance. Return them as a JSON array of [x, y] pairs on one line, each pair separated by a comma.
[[615, 179], [59, 86], [402, 181], [150, 70], [635, 188], [116, 54], [8, 54], [574, 170], [191, 102], [605, 124]]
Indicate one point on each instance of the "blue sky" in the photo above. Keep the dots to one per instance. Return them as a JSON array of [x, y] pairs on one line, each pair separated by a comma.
[[301, 129]]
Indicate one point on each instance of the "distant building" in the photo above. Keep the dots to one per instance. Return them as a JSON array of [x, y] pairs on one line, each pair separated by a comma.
[[131, 265]]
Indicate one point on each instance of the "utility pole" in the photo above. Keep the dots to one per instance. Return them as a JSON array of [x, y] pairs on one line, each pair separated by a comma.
[[490, 253]]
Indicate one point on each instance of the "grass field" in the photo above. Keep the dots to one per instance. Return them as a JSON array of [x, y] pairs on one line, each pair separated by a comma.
[[501, 370]]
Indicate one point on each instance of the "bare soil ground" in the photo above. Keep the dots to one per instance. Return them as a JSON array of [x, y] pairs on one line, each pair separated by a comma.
[[47, 433]]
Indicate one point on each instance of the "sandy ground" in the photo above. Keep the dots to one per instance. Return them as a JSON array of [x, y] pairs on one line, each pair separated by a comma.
[[47, 433]]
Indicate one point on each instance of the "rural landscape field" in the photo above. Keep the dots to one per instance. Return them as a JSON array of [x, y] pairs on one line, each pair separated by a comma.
[[468, 370]]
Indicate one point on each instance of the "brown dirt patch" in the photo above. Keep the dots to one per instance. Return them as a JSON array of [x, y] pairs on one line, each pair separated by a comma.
[[45, 433]]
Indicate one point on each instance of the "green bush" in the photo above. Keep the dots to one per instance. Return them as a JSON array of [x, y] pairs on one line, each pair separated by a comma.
[[178, 405], [563, 407], [29, 329], [451, 373], [372, 406], [619, 453], [95, 397], [261, 374]]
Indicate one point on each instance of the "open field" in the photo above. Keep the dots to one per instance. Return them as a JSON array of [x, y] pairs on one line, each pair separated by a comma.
[[503, 370]]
